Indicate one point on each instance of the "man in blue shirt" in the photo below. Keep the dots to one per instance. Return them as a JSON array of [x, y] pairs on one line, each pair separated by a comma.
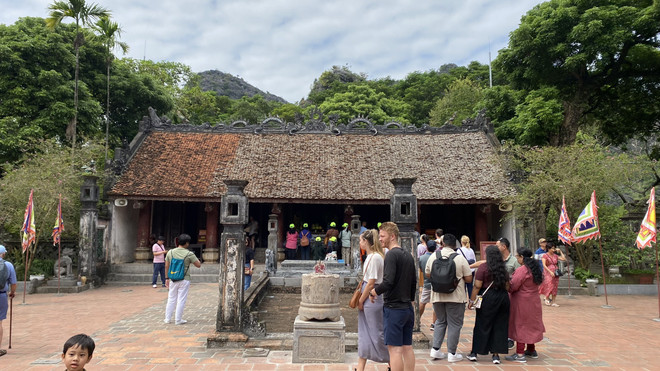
[[7, 290], [540, 251]]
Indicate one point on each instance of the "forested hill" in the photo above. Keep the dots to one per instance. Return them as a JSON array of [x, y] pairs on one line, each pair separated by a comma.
[[232, 86]]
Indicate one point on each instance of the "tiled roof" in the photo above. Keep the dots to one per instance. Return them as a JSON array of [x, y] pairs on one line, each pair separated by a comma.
[[449, 167]]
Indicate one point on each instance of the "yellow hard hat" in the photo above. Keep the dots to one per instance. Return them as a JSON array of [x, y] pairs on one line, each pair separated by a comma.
[[305, 225], [318, 238], [379, 224], [333, 239], [344, 225], [333, 224], [292, 225]]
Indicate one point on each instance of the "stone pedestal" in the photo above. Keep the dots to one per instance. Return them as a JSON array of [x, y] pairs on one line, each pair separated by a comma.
[[319, 297], [271, 263], [318, 341]]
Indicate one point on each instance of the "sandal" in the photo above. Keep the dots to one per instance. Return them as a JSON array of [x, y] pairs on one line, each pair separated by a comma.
[[2, 352], [547, 302]]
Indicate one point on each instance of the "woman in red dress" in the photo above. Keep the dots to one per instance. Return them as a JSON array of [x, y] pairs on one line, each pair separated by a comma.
[[526, 313], [550, 278]]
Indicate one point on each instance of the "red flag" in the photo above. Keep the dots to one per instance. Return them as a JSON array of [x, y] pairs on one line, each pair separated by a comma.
[[59, 224], [647, 231], [564, 231], [586, 226], [29, 233]]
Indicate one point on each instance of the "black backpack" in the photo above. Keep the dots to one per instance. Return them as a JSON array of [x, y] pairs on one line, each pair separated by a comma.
[[443, 273]]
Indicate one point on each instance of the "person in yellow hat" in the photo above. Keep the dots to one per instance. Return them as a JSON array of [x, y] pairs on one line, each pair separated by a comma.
[[305, 241], [345, 243], [332, 245], [318, 251], [332, 232], [291, 245]]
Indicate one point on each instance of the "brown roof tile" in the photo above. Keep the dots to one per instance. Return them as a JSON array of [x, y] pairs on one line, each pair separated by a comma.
[[449, 167]]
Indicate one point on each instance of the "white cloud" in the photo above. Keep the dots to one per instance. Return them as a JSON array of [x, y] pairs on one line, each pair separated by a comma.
[[281, 46]]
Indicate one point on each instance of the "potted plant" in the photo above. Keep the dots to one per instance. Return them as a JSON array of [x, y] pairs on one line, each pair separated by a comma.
[[641, 276]]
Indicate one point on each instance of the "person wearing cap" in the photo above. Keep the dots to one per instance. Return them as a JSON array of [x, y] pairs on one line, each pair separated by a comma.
[[332, 232], [318, 251], [291, 244], [305, 241], [332, 245], [159, 261], [345, 242], [7, 290], [538, 254]]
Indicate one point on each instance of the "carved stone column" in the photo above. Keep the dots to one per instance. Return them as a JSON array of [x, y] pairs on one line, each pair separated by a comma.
[[143, 250], [233, 215], [272, 251], [403, 212], [280, 231], [89, 197], [211, 252], [480, 229], [355, 261]]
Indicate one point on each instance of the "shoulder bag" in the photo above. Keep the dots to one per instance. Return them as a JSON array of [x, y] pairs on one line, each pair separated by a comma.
[[480, 298], [355, 299]]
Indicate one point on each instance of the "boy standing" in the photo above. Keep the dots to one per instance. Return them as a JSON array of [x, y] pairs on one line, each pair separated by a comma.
[[178, 290], [77, 352]]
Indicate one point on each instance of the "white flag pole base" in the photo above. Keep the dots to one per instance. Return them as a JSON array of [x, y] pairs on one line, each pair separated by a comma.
[[606, 306], [657, 319]]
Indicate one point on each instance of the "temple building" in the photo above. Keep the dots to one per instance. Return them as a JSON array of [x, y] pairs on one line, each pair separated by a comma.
[[171, 179]]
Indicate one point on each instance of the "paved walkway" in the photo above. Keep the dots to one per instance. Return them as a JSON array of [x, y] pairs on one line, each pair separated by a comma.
[[126, 323]]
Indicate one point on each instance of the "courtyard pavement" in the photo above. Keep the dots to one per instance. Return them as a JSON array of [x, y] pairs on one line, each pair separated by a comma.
[[127, 325]]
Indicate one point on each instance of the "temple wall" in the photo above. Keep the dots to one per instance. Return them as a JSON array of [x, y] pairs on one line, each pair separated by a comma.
[[124, 237]]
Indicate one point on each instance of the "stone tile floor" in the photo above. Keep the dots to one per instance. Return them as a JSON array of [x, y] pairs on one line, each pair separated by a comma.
[[127, 325]]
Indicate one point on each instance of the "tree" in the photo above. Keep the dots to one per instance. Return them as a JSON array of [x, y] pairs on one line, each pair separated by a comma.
[[593, 52], [331, 82], [458, 102], [361, 100], [49, 173], [543, 175], [537, 119], [109, 33], [82, 14], [37, 89]]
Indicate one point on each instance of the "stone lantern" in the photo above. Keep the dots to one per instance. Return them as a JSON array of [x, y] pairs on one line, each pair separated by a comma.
[[89, 198]]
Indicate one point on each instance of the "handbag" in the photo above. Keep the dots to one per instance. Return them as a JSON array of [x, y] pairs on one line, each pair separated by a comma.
[[355, 299], [480, 298], [246, 271], [558, 273]]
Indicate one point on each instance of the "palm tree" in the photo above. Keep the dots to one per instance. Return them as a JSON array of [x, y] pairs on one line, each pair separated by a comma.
[[109, 33], [82, 14]]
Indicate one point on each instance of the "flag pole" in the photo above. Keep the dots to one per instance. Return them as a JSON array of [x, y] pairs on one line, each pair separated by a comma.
[[59, 265], [568, 270], [657, 281], [602, 265], [25, 282]]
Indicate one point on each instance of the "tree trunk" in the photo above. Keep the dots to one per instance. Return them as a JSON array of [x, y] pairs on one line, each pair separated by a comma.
[[573, 111], [107, 111], [75, 105]]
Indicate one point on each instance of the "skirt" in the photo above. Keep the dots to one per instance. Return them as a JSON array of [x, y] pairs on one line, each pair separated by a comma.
[[371, 340], [491, 326]]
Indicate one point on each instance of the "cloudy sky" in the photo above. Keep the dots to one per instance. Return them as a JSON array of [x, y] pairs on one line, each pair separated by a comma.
[[281, 46]]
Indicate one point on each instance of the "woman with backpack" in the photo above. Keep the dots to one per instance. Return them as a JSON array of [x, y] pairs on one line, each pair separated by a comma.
[[491, 326], [305, 241]]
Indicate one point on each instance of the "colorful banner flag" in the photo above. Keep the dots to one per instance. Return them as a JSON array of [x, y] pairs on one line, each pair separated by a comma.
[[647, 230], [28, 232], [59, 224], [564, 230], [586, 226]]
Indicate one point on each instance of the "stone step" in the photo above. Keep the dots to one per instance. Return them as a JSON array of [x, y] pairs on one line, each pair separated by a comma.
[[137, 268], [145, 278]]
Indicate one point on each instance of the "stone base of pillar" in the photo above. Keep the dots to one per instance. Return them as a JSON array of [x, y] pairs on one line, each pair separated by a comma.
[[280, 255], [226, 340], [143, 255], [211, 255], [318, 341]]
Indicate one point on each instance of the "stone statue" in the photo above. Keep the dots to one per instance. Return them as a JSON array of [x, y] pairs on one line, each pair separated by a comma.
[[270, 261], [63, 267], [357, 262]]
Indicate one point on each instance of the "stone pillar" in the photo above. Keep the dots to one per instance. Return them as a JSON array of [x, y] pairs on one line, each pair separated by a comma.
[[403, 212], [233, 215], [356, 225], [280, 232], [143, 250], [272, 251], [89, 197], [211, 252]]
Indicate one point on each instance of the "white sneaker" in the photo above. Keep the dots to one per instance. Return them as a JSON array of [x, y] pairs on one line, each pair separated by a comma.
[[166, 321], [154, 286], [183, 321], [454, 357], [437, 354]]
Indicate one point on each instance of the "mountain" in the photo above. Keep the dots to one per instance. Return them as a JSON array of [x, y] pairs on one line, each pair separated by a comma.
[[232, 86]]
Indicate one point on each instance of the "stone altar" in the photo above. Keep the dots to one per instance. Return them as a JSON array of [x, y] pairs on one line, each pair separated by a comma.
[[319, 329]]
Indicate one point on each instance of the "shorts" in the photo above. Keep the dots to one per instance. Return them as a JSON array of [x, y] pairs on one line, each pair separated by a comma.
[[398, 326], [4, 305], [425, 298]]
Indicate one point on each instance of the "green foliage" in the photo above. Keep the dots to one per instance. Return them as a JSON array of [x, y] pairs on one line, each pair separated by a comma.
[[199, 106], [537, 119], [582, 274], [458, 103], [618, 236], [49, 173], [543, 175], [332, 82], [287, 112], [596, 54], [361, 100], [252, 109]]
